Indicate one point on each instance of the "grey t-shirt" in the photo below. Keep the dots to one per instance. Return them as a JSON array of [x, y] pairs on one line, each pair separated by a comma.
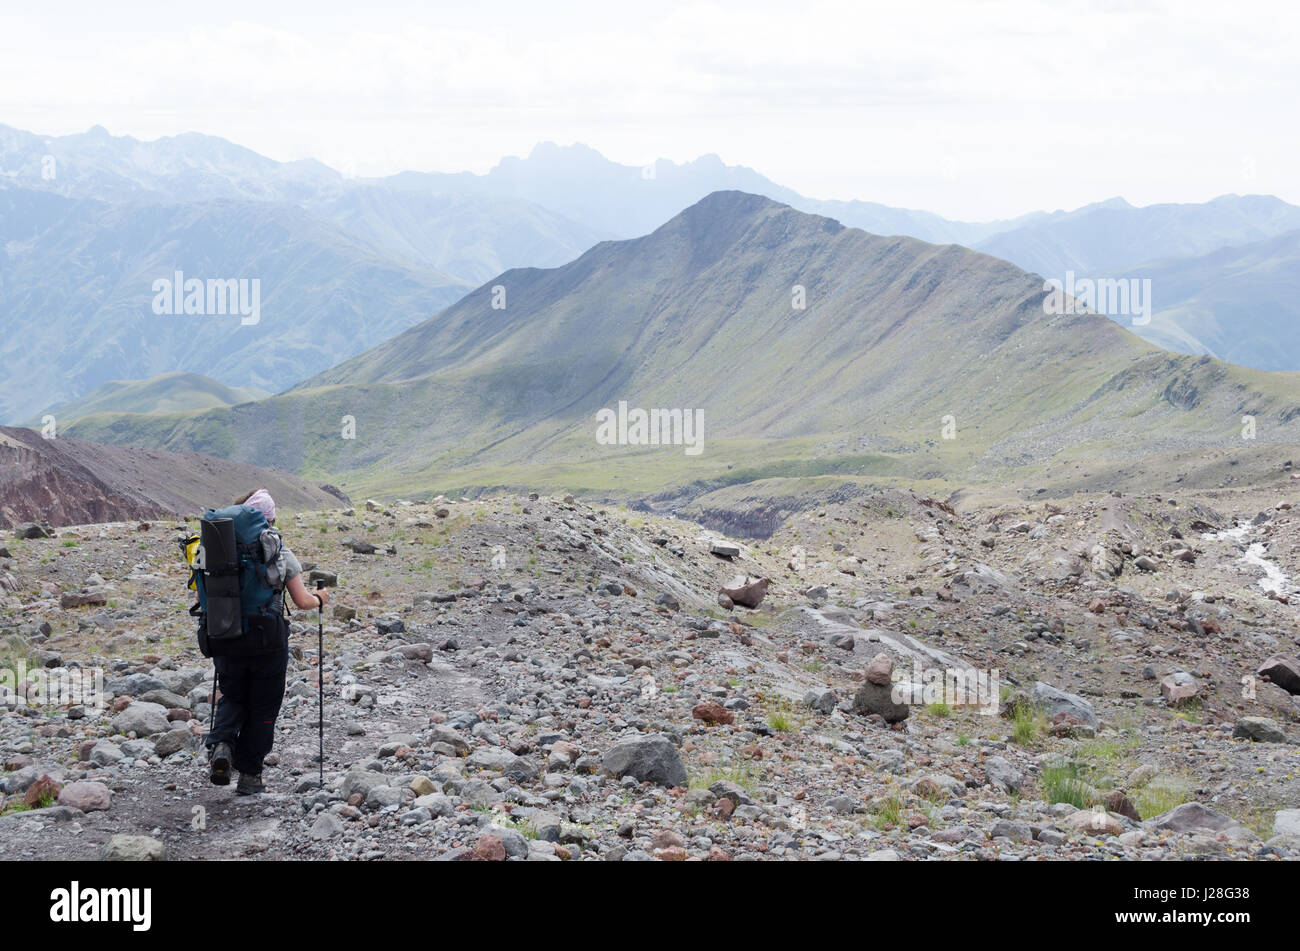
[[292, 566]]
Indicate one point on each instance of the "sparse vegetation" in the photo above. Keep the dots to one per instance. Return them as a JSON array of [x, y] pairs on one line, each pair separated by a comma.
[[1062, 784]]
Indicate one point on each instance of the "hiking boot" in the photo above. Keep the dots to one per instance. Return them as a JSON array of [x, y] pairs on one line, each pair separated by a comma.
[[250, 784], [219, 761]]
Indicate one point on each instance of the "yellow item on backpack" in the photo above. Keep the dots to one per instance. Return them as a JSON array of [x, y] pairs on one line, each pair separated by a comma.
[[190, 549]]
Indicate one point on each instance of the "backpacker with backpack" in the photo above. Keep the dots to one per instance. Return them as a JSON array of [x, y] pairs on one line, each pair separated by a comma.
[[237, 568]]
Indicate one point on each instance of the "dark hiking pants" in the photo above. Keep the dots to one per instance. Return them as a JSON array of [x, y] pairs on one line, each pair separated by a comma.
[[252, 689]]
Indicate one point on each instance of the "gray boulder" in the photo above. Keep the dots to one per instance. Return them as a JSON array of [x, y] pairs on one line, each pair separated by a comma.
[[142, 719], [1058, 701], [879, 699], [1002, 775], [1194, 817], [649, 759], [1258, 730]]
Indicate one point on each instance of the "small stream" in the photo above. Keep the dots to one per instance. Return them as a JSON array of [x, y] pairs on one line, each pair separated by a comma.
[[1255, 553]]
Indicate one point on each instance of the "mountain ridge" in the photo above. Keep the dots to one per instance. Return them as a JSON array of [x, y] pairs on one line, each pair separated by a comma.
[[897, 335]]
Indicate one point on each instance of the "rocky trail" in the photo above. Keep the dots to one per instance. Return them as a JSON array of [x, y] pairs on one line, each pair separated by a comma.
[[543, 679]]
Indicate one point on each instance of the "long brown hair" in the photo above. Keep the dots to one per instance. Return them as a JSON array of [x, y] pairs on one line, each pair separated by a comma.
[[245, 497]]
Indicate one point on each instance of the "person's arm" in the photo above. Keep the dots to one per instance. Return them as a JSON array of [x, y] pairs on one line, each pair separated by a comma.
[[302, 597]]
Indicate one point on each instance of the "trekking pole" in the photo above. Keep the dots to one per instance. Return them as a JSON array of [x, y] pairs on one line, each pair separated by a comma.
[[212, 707], [320, 680]]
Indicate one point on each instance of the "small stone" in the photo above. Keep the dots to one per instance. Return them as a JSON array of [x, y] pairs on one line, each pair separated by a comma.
[[142, 719], [1178, 688], [326, 826], [881, 670], [1093, 822], [490, 848], [132, 848], [712, 712], [43, 792], [1117, 802], [86, 795]]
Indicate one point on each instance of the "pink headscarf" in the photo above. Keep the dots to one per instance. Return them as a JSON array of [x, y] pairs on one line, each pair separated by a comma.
[[262, 501]]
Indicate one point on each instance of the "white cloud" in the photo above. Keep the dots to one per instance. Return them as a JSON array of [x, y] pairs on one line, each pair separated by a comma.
[[971, 109]]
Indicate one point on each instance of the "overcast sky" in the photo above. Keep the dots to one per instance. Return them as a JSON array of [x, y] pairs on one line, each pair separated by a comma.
[[973, 110]]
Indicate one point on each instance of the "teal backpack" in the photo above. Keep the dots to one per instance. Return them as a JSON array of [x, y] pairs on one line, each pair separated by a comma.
[[238, 572]]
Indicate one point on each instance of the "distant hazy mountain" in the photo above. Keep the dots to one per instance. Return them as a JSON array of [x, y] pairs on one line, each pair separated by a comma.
[[897, 340], [465, 236], [1241, 304], [77, 294], [1113, 236], [182, 168], [545, 209], [624, 200], [471, 237], [1223, 274], [165, 393]]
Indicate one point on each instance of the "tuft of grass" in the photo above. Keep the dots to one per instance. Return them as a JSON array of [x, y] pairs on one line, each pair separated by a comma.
[[1160, 796], [1109, 749], [1189, 710], [963, 739], [1028, 724], [744, 776], [938, 709], [1062, 784], [781, 718], [889, 813]]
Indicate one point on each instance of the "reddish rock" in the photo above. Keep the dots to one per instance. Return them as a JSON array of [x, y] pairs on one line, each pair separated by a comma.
[[86, 796], [1120, 804], [723, 808], [1097, 606], [179, 714], [1282, 671], [1178, 688], [43, 789], [747, 596], [490, 848], [881, 669], [712, 713], [718, 854], [566, 749], [667, 839], [81, 599]]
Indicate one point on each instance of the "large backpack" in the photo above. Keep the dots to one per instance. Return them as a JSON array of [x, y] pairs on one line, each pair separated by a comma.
[[238, 572]]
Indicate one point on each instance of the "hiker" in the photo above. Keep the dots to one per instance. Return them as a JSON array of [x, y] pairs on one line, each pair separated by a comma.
[[250, 668]]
